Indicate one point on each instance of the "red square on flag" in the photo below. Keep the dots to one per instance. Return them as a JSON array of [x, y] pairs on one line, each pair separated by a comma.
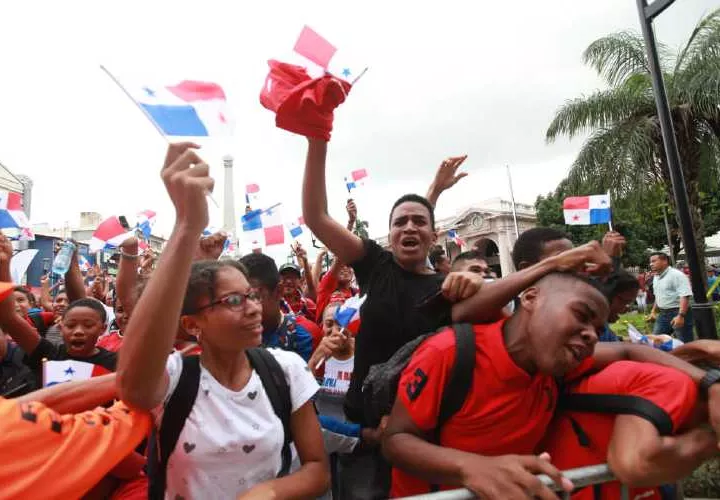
[[301, 221], [576, 203], [14, 201], [358, 174], [314, 47], [252, 188], [274, 235]]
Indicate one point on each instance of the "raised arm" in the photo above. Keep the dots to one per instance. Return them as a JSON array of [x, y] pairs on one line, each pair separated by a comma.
[[489, 301], [77, 396], [343, 243], [301, 255], [45, 298], [639, 456], [74, 285], [445, 178], [11, 322], [318, 267], [142, 379], [127, 275]]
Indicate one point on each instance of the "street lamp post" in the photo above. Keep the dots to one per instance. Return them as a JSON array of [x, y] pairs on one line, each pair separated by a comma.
[[703, 312]]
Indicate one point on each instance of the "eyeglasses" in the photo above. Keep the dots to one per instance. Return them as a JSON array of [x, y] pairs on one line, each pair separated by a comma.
[[234, 301]]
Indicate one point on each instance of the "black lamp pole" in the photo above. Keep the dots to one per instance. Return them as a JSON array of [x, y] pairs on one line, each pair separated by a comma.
[[703, 312]]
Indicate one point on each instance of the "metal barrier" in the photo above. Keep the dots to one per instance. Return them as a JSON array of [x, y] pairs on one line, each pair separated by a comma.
[[583, 476]]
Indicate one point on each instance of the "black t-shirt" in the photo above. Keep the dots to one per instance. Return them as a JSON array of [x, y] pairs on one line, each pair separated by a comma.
[[390, 316], [58, 352]]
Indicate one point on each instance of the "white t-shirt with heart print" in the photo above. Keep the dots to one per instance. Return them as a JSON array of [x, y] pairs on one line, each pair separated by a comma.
[[231, 440]]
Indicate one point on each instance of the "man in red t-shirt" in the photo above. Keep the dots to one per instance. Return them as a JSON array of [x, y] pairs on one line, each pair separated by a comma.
[[488, 445], [653, 402], [334, 286]]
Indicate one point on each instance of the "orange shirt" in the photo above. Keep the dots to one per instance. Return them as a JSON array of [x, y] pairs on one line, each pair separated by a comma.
[[63, 456], [507, 410]]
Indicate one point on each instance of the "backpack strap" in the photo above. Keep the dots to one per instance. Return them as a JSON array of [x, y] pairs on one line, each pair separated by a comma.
[[273, 380], [616, 404], [162, 442], [458, 386]]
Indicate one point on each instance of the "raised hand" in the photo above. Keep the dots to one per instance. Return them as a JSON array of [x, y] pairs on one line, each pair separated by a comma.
[[211, 247], [6, 250], [187, 180], [130, 246], [589, 258], [351, 211], [299, 251], [446, 175], [613, 243], [461, 285]]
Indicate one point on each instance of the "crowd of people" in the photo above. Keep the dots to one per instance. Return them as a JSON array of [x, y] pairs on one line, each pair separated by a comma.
[[236, 378]]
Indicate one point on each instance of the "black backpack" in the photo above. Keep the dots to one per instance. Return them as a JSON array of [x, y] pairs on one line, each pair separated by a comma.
[[162, 442], [381, 384]]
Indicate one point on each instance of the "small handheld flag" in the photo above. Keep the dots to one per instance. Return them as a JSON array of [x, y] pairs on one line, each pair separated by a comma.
[[145, 221], [11, 210], [296, 227], [587, 210], [57, 372], [264, 227], [325, 57], [109, 234], [356, 179], [454, 237], [348, 314]]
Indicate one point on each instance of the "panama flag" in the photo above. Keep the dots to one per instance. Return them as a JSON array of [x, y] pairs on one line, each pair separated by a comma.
[[295, 227], [454, 237], [11, 210], [264, 227], [348, 314], [145, 221], [356, 179], [188, 108], [109, 234], [586, 210], [252, 193], [323, 57], [57, 372], [83, 263]]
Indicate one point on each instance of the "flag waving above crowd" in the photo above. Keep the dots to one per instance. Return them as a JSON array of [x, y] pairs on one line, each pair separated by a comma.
[[586, 210]]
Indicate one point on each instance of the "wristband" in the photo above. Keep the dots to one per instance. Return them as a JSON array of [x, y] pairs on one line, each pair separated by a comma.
[[127, 255], [711, 378], [682, 314]]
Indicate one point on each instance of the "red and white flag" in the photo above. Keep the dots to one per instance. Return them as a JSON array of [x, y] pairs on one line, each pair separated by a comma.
[[323, 57], [57, 372]]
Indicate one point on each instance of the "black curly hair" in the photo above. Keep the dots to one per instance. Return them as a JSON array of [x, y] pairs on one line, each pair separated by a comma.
[[202, 282]]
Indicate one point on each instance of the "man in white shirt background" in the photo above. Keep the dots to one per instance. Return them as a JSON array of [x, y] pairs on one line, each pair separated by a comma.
[[671, 311]]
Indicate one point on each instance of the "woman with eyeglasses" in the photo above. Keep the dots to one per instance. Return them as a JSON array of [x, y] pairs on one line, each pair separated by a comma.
[[231, 445]]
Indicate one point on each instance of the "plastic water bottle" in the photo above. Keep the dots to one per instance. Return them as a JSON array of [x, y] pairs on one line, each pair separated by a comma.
[[61, 264]]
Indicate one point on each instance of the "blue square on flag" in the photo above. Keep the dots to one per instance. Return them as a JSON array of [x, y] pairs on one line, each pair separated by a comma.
[[252, 221]]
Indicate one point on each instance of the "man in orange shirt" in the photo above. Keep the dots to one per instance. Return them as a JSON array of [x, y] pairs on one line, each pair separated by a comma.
[[58, 450]]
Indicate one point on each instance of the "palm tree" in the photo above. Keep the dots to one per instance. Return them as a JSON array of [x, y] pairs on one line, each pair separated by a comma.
[[624, 152]]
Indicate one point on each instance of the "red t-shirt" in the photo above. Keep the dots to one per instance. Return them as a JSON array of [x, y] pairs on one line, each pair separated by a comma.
[[671, 390], [312, 327], [507, 411], [112, 341], [326, 288]]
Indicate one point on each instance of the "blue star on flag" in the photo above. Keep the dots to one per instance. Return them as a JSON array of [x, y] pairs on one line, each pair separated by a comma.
[[69, 371], [150, 92], [346, 72]]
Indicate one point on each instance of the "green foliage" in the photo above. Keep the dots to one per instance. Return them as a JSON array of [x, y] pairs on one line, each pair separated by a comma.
[[624, 153]]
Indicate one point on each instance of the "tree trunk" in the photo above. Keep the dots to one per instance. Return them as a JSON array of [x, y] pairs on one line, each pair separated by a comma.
[[689, 148]]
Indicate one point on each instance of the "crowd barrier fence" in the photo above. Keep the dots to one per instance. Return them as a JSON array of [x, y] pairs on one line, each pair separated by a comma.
[[582, 476]]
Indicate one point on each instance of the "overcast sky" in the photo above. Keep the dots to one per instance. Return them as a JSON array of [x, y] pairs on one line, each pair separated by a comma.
[[446, 78]]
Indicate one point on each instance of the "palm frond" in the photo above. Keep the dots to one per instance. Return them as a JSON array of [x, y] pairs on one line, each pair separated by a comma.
[[621, 158], [602, 109], [618, 56], [704, 43]]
